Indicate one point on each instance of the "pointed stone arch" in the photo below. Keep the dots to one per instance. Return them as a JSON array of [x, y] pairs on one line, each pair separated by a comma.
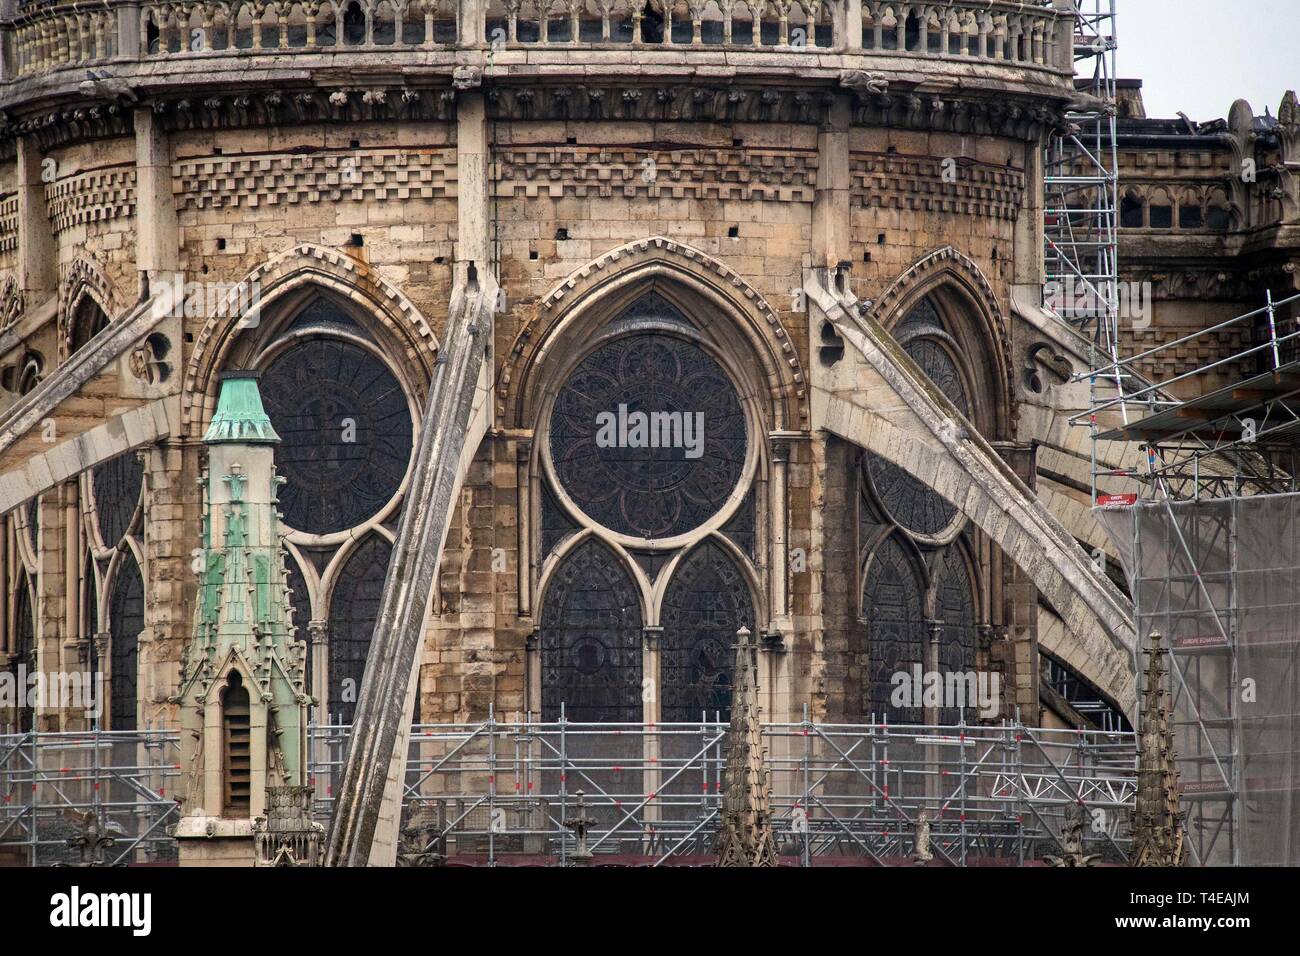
[[83, 282], [962, 288], [82, 277], [303, 265], [596, 292], [877, 398]]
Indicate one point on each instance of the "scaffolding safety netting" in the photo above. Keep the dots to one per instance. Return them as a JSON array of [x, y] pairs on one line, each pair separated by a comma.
[[1219, 579]]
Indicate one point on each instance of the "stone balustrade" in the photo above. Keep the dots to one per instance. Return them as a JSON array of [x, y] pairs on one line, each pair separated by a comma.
[[39, 38]]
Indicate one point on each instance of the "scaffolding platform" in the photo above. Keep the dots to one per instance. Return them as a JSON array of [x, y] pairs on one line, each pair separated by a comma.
[[1208, 533], [1271, 399], [504, 792]]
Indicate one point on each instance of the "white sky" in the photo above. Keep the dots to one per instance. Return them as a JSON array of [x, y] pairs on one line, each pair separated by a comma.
[[1198, 56]]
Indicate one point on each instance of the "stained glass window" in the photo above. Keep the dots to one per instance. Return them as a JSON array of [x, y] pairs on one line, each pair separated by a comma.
[[907, 500], [345, 429], [354, 607], [955, 607], [25, 647], [117, 492], [706, 603], [648, 436], [893, 596], [740, 527], [893, 604], [556, 524], [90, 612], [591, 640], [126, 621]]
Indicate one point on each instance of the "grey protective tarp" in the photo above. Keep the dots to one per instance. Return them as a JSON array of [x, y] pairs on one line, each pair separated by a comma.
[[1220, 579]]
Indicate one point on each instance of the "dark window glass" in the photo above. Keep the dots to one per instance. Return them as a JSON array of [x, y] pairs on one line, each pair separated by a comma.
[[706, 603], [892, 603], [1218, 219], [955, 607], [90, 605], [354, 608], [87, 322], [740, 528], [126, 621], [117, 492], [345, 428], [556, 524], [1130, 213], [1162, 217], [1190, 217], [25, 633], [907, 500], [591, 640], [648, 437]]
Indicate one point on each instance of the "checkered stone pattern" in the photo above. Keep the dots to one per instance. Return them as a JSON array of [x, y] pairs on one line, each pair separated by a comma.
[[766, 175], [96, 196], [286, 179]]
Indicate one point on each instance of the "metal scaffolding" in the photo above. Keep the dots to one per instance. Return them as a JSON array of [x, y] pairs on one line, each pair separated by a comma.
[[509, 792], [500, 792], [126, 780], [1081, 201], [1220, 578]]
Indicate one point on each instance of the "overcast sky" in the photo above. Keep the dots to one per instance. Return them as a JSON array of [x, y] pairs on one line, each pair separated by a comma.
[[1198, 56]]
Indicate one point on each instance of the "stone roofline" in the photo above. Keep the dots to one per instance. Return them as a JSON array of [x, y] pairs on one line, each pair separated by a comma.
[[64, 54]]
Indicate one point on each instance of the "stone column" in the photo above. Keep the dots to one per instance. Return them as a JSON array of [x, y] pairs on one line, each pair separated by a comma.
[[157, 228], [318, 636], [830, 217], [473, 243], [37, 252], [8, 60], [71, 717], [128, 31], [848, 25], [779, 512], [1018, 654], [102, 641], [6, 589], [51, 626], [171, 532]]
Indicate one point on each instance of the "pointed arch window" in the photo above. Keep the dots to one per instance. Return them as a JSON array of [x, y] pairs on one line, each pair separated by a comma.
[[919, 597], [707, 602], [338, 400], [893, 602], [126, 621], [116, 486], [88, 320], [236, 747], [24, 646], [354, 608], [957, 619], [906, 499], [591, 640], [649, 448]]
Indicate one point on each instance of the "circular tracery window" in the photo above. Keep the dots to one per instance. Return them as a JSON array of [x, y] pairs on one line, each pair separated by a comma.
[[648, 437], [907, 500], [345, 430]]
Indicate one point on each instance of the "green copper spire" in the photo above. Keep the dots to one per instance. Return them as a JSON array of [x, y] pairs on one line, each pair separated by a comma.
[[240, 416], [244, 641]]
